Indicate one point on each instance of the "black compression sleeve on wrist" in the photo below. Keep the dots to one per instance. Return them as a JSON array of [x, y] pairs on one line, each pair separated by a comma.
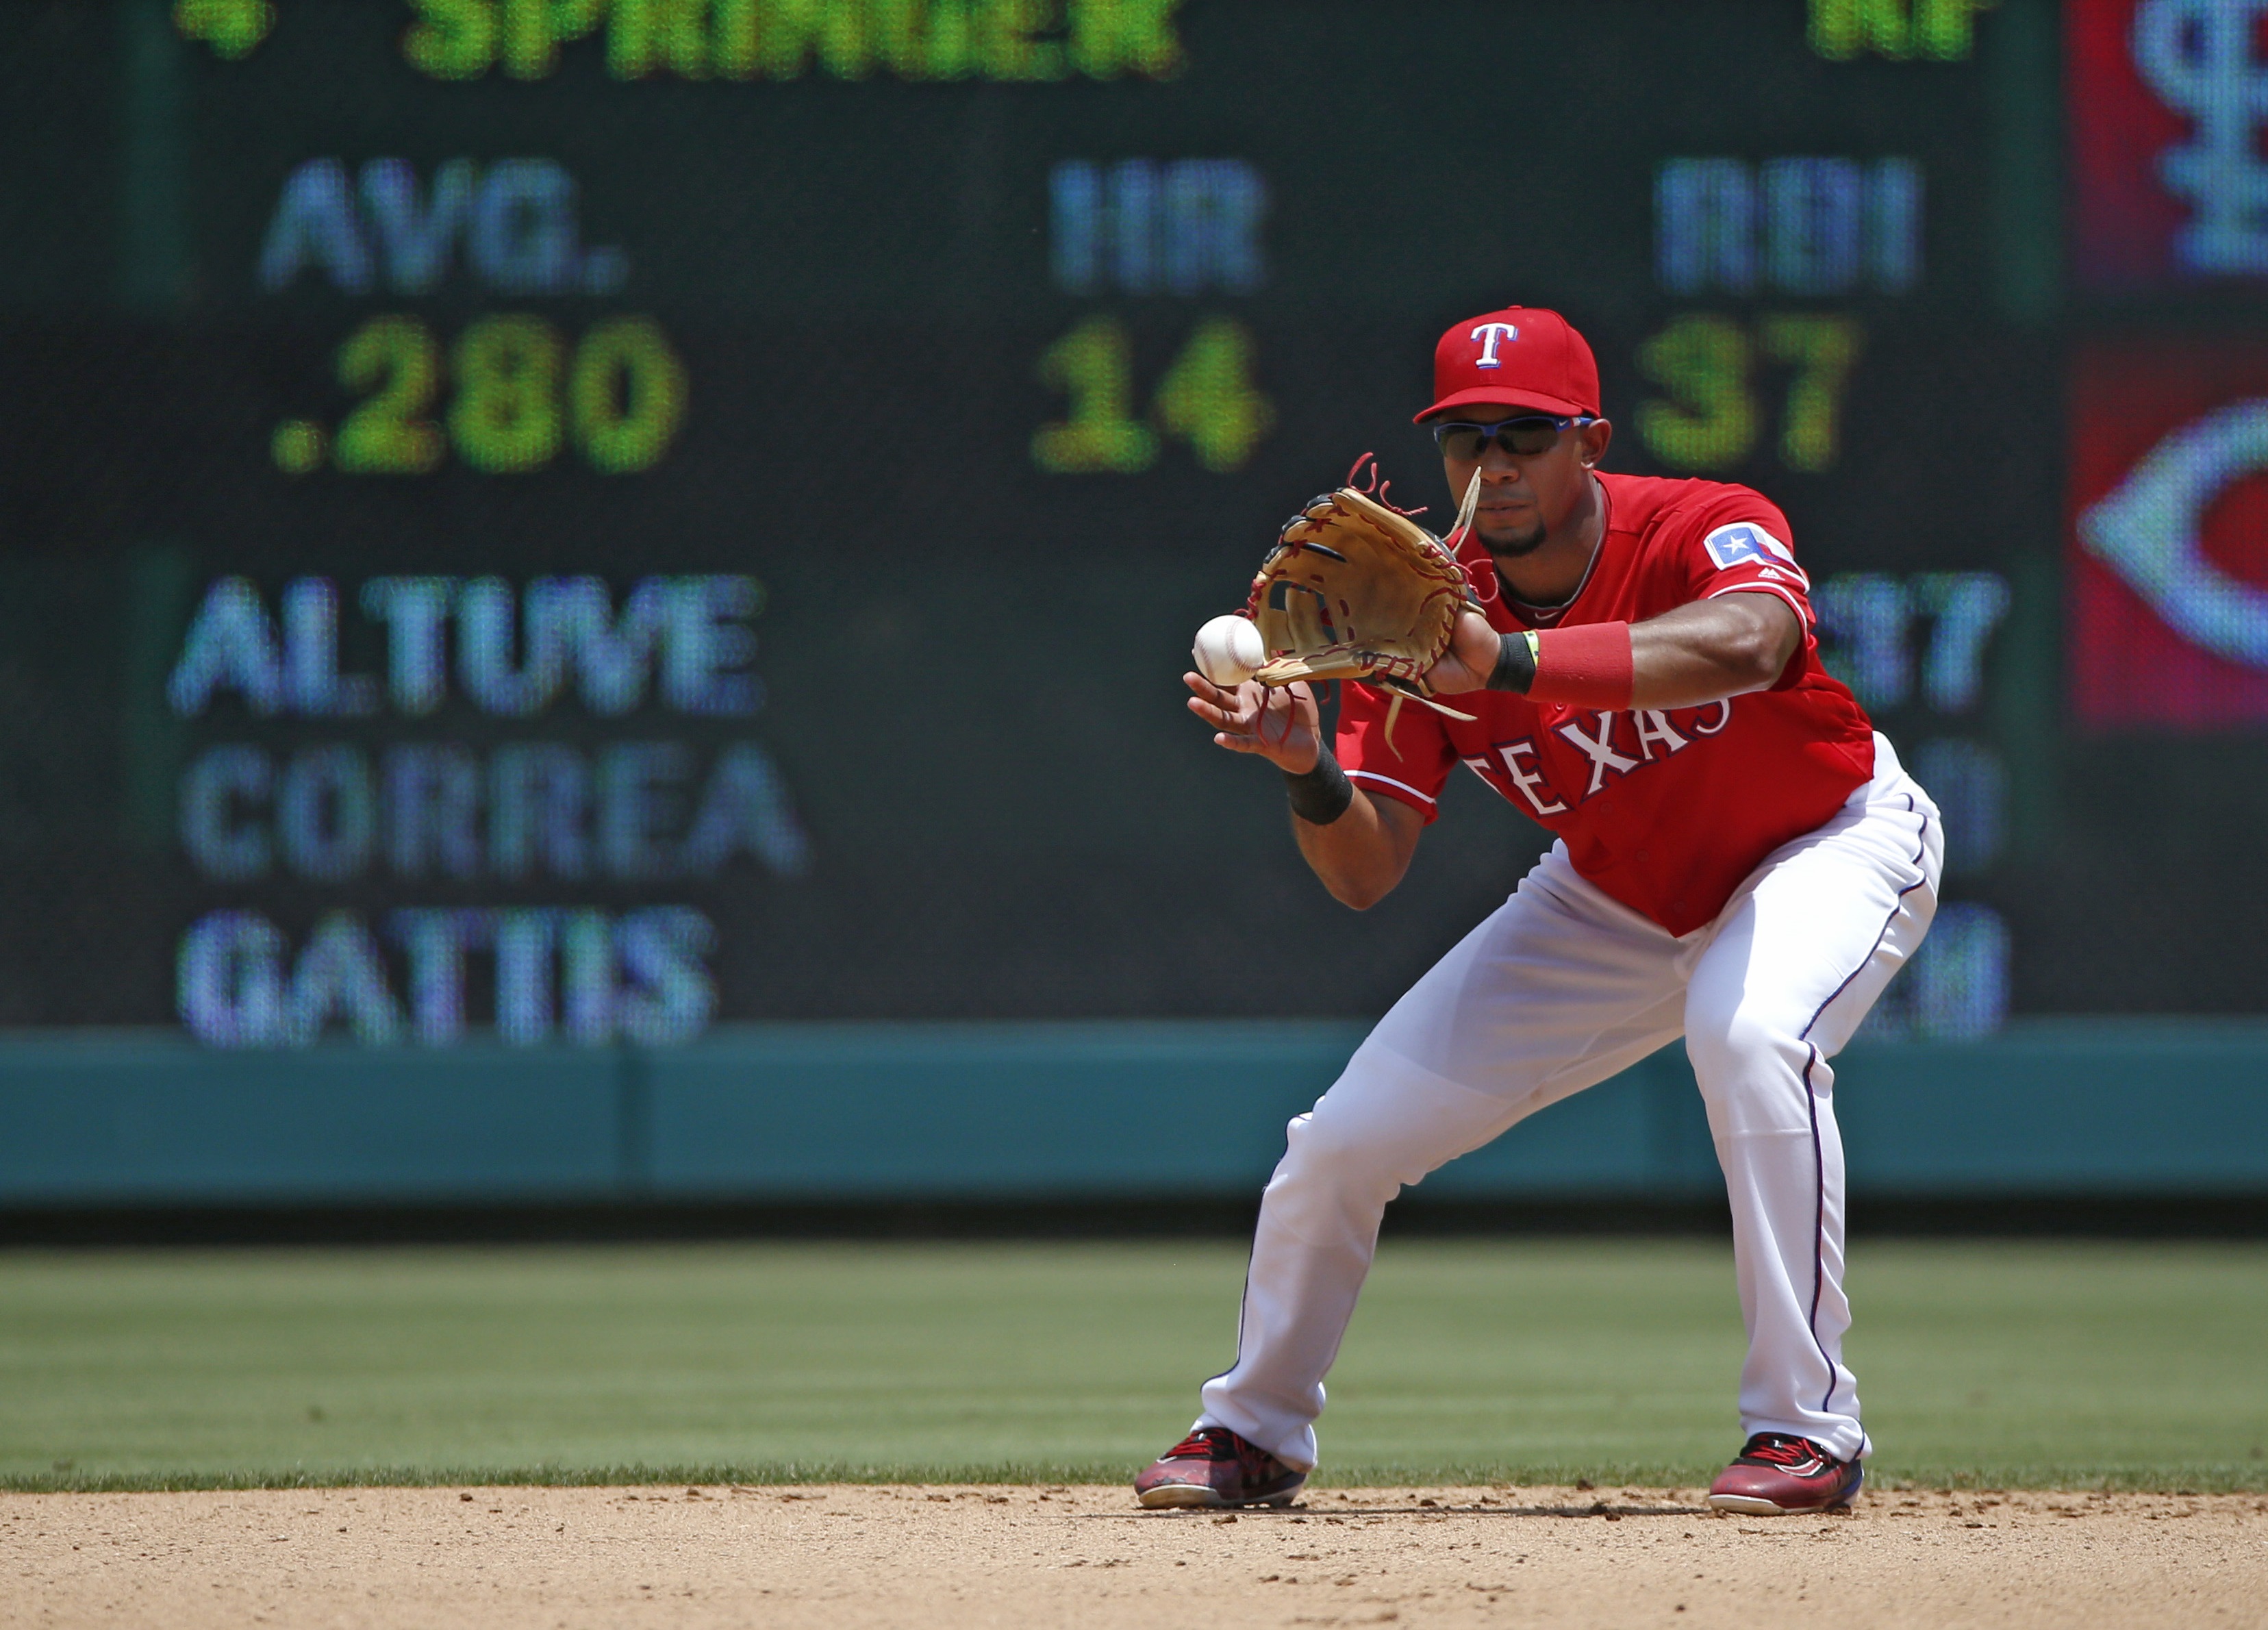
[[1322, 795], [1516, 665]]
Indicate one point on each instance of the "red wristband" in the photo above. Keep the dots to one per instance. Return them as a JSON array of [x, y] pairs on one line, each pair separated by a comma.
[[1589, 666]]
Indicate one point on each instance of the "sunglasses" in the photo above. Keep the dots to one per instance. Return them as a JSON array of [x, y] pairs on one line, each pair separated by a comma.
[[1523, 438]]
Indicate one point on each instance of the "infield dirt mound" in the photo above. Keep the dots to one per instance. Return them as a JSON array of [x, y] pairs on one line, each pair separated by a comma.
[[850, 1557]]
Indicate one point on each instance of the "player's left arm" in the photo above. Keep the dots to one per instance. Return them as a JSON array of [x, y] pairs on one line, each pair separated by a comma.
[[1696, 654], [1712, 649]]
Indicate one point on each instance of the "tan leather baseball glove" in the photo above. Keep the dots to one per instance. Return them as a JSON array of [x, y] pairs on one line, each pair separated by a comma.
[[1356, 589]]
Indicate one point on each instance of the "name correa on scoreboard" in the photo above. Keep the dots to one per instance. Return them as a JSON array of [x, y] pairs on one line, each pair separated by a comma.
[[584, 518]]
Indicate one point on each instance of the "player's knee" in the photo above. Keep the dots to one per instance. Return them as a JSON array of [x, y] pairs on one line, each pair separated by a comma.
[[1744, 1045], [1333, 1148], [1319, 1142]]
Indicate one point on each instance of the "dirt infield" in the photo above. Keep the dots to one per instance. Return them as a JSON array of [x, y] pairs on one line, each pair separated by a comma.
[[844, 1558]]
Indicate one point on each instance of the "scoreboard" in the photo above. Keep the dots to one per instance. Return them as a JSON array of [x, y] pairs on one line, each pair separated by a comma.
[[589, 519]]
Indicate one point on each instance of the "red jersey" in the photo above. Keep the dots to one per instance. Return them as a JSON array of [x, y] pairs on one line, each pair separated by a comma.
[[1665, 810]]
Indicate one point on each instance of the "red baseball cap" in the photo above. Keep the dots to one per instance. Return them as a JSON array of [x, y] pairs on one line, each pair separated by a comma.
[[1523, 357]]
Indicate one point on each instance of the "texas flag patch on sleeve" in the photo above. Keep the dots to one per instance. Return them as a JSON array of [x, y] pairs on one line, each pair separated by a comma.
[[1746, 543]]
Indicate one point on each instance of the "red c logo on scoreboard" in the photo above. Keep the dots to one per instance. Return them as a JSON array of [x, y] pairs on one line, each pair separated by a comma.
[[2167, 551]]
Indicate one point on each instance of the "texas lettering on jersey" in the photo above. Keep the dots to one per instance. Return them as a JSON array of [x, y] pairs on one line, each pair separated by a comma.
[[1613, 744], [1665, 809]]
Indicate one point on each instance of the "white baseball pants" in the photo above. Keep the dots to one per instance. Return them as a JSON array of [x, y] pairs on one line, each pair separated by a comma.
[[1557, 990]]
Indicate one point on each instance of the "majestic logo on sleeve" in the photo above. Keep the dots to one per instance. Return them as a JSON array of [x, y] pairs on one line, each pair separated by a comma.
[[1746, 543], [1490, 333]]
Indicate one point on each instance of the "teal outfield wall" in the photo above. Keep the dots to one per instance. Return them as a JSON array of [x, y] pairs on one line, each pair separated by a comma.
[[1055, 1111]]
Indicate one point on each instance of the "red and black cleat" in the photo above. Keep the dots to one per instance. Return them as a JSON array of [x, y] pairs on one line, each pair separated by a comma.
[[1776, 1474], [1212, 1466]]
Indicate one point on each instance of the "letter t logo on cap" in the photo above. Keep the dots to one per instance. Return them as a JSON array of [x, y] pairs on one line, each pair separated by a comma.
[[1495, 331], [1520, 357]]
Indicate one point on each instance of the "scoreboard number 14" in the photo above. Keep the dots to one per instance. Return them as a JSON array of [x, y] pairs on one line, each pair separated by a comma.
[[1206, 398]]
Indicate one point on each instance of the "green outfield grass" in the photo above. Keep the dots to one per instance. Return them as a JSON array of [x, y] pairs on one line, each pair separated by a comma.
[[1519, 1359]]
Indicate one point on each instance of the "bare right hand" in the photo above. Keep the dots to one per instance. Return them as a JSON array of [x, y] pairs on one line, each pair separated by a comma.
[[1281, 724]]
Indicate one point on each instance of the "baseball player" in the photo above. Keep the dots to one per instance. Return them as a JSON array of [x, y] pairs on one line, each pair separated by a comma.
[[1740, 861]]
